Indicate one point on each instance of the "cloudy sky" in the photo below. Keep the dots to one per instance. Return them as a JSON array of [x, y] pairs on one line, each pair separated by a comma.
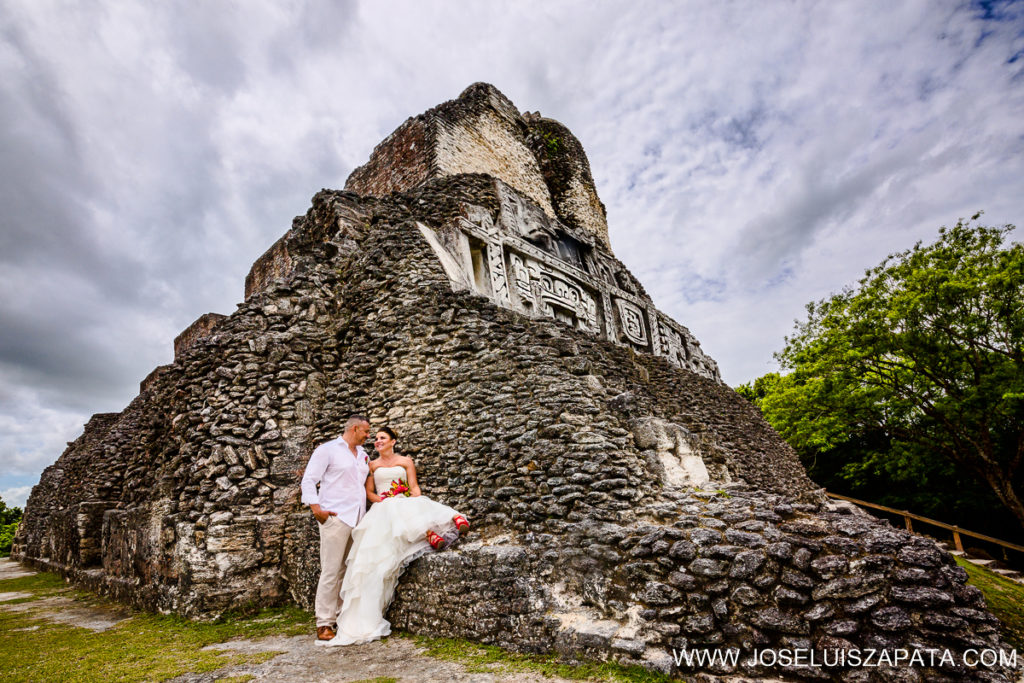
[[753, 156]]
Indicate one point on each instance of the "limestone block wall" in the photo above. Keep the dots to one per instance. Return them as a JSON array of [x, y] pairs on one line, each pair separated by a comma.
[[273, 264], [151, 379], [482, 132], [726, 569], [567, 173], [48, 530], [201, 328], [401, 161]]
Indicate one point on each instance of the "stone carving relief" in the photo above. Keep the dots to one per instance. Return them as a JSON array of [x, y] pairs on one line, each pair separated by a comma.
[[553, 293], [448, 245], [683, 350], [478, 216], [499, 281], [631, 322], [523, 218], [525, 261], [673, 345]]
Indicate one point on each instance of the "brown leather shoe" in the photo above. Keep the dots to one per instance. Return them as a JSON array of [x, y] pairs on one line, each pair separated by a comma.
[[324, 633]]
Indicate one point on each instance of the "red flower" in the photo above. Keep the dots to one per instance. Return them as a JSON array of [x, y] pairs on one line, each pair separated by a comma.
[[398, 488]]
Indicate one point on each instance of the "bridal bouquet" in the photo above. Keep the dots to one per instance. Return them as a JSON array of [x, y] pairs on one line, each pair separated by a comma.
[[398, 488]]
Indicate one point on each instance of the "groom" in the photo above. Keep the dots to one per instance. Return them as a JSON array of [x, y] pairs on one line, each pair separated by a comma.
[[340, 467]]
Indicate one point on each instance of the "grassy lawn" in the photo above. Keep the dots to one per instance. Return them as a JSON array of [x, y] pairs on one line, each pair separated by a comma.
[[151, 647], [1005, 598], [144, 647]]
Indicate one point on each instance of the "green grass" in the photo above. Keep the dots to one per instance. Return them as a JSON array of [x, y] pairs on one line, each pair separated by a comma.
[[144, 647], [1005, 598], [42, 584], [153, 647], [489, 659]]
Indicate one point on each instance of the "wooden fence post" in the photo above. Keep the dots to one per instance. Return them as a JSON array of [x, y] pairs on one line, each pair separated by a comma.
[[957, 531]]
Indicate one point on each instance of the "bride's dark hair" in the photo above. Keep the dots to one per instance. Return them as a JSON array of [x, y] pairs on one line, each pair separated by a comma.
[[389, 431]]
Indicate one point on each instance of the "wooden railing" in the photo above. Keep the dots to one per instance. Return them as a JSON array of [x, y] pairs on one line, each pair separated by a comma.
[[957, 531]]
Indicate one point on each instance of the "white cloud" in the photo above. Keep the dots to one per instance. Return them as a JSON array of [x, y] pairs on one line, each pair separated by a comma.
[[752, 156], [32, 434], [16, 497]]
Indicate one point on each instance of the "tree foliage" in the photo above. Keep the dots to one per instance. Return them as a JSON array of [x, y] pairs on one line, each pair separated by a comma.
[[918, 369], [9, 519]]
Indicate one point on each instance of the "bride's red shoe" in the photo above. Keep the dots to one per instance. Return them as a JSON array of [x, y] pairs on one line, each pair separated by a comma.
[[461, 523], [434, 540]]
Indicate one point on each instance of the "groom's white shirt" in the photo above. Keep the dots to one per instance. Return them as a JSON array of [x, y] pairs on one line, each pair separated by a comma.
[[342, 478]]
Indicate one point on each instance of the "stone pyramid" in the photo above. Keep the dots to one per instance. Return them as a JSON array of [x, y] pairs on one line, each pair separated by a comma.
[[626, 504]]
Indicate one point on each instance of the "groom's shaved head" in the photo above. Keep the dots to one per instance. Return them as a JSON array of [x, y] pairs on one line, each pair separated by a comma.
[[355, 420]]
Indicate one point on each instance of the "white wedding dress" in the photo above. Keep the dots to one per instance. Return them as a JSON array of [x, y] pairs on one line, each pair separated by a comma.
[[390, 536]]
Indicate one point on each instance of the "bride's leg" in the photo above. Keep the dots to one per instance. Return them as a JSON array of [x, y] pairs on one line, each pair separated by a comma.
[[434, 540]]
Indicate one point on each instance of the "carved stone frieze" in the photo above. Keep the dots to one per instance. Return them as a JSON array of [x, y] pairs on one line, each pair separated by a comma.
[[526, 261], [521, 217], [674, 345], [553, 293], [478, 216], [631, 321], [498, 278]]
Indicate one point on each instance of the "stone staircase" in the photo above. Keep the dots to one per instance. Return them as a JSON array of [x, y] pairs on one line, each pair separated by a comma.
[[991, 565]]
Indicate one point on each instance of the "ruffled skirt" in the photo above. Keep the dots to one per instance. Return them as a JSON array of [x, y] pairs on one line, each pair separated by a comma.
[[390, 536]]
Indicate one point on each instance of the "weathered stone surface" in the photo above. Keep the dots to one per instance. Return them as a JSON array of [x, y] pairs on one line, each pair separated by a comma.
[[746, 564], [922, 596], [891, 618], [196, 332], [463, 292], [829, 566]]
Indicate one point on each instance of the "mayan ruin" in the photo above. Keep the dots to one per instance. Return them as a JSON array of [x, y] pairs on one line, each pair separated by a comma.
[[462, 289]]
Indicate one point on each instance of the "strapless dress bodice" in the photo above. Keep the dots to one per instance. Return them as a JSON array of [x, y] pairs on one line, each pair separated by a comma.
[[383, 476]]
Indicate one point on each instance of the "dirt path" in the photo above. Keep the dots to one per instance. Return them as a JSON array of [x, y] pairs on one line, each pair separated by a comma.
[[301, 659]]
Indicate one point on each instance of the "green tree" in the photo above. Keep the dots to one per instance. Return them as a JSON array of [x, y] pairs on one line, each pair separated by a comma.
[[923, 360], [865, 462], [9, 519]]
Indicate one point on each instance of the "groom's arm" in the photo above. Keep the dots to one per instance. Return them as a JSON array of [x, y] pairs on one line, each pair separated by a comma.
[[321, 514], [310, 478]]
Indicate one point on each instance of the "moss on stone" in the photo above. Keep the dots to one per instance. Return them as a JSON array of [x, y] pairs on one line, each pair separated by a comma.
[[1004, 597], [552, 143]]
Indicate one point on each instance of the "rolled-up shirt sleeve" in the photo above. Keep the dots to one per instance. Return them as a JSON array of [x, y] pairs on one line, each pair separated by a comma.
[[315, 469]]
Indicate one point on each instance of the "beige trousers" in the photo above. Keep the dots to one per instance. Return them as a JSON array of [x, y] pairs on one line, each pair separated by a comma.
[[335, 538]]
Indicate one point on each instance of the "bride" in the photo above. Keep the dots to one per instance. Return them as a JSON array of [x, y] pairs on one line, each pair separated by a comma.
[[401, 526]]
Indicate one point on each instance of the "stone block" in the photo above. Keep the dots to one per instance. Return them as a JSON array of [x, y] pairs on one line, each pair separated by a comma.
[[202, 328]]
